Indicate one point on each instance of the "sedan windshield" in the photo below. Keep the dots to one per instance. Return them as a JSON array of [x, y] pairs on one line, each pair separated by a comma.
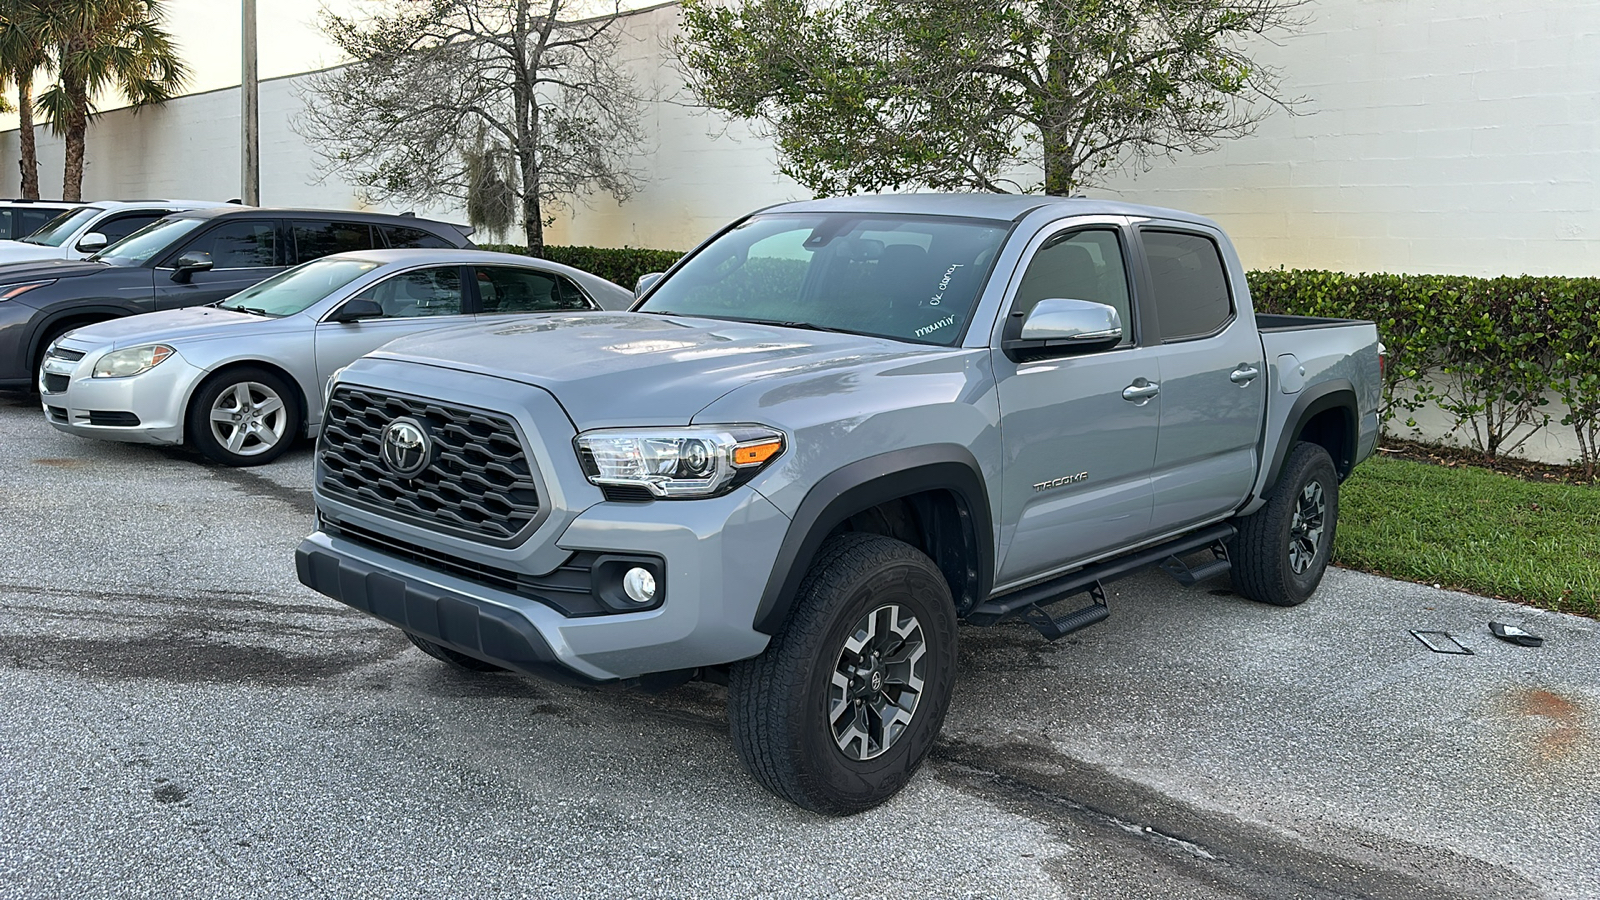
[[294, 291], [913, 278], [56, 231], [148, 241]]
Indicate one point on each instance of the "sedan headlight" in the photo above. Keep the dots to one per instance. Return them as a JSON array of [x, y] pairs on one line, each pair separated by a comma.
[[132, 361], [678, 463]]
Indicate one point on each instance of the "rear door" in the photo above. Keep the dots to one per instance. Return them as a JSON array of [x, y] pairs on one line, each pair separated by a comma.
[[242, 251], [1077, 452], [413, 301], [1213, 382]]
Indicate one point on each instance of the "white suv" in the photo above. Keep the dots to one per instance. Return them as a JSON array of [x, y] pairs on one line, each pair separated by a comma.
[[90, 228], [20, 218]]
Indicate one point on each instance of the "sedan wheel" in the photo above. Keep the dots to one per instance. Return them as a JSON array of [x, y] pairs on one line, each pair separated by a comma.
[[246, 417]]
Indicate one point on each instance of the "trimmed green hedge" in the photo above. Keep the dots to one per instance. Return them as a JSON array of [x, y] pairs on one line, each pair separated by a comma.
[[1487, 351], [621, 266]]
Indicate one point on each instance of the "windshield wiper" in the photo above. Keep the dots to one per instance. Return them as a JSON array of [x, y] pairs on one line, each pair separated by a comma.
[[808, 326], [252, 310]]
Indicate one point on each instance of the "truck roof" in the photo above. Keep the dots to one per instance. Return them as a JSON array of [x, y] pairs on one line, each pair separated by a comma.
[[1005, 207]]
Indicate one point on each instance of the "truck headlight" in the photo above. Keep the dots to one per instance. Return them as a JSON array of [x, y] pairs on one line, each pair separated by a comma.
[[678, 463], [132, 361]]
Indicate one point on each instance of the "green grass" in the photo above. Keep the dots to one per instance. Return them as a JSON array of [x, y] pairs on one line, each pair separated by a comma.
[[1474, 530]]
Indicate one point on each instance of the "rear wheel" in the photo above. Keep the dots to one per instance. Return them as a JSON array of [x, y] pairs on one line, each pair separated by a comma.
[[454, 658], [843, 706], [244, 417], [1283, 548]]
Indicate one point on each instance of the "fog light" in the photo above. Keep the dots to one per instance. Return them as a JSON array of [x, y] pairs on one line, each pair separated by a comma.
[[639, 585]]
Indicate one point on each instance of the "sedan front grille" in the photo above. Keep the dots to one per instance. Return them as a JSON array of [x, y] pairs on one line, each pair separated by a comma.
[[480, 482]]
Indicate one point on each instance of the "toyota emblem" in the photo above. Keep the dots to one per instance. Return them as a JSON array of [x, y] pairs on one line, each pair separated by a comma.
[[406, 447]]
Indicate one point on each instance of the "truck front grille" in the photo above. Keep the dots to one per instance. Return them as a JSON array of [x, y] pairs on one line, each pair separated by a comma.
[[479, 484]]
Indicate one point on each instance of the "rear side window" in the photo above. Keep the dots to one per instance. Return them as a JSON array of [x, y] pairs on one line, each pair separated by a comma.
[[402, 238], [504, 289], [245, 244], [1191, 291], [313, 240], [24, 222]]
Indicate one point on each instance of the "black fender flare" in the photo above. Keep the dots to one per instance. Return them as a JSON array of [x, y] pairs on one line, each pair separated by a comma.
[[1336, 393], [864, 484], [50, 317]]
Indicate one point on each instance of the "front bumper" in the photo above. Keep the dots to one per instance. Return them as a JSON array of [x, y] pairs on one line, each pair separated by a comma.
[[717, 554], [79, 404]]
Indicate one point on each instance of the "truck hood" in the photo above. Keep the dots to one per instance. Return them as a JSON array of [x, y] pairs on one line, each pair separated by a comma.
[[635, 369], [168, 327]]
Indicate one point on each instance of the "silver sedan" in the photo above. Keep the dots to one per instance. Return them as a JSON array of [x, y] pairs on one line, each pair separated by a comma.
[[242, 379]]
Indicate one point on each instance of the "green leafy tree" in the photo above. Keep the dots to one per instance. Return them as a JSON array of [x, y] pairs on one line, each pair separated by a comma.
[[98, 46], [23, 55], [483, 101], [961, 95]]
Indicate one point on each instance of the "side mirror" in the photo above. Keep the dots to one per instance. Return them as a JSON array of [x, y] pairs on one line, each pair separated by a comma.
[[644, 283], [1058, 326], [189, 263], [355, 309], [92, 242]]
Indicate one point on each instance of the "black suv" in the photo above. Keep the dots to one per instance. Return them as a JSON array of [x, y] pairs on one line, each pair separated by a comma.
[[185, 259]]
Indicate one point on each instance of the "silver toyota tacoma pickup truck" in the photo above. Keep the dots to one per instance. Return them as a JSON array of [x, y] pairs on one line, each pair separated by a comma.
[[825, 438]]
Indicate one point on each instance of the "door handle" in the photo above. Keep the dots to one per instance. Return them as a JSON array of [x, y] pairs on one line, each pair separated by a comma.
[[1245, 374], [1140, 391]]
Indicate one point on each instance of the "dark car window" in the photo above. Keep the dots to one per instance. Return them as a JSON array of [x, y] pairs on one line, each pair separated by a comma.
[[115, 228], [507, 289], [1084, 265], [425, 292], [402, 238], [244, 244], [313, 240], [1191, 291], [19, 223]]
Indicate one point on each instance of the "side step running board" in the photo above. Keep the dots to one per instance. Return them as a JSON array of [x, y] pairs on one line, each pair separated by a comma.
[[1028, 602]]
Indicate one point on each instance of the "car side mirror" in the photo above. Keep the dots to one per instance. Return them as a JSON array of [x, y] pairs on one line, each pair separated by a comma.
[[92, 242], [644, 283], [189, 263], [1057, 326], [355, 309]]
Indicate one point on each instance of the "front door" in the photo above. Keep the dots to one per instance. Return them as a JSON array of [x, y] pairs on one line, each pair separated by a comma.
[[1078, 445], [414, 301]]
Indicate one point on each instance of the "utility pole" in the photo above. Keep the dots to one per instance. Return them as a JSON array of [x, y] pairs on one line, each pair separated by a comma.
[[250, 114]]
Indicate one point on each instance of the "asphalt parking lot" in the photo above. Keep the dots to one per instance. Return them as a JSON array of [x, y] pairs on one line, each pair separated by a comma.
[[180, 718]]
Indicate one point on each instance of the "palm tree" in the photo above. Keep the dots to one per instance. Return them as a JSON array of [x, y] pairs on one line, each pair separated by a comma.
[[22, 55], [99, 45]]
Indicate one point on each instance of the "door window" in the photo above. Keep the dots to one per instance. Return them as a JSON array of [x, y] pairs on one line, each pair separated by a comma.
[[1191, 291], [245, 244], [1082, 265], [425, 292], [313, 240], [505, 289]]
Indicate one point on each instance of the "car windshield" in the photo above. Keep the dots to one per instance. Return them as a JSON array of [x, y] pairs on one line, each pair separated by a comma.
[[296, 290], [912, 278], [148, 241], [56, 231]]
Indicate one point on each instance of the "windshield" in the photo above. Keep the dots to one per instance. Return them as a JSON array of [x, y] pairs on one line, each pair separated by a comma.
[[294, 291], [913, 278], [56, 231], [148, 241]]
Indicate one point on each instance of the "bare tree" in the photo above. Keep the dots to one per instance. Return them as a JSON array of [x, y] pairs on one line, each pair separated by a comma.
[[475, 100]]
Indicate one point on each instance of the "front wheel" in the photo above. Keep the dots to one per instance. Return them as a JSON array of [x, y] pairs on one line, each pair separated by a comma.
[[1283, 548], [843, 706], [244, 417]]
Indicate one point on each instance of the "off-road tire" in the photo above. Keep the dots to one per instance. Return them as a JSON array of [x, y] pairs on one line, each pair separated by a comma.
[[221, 389], [778, 702], [1264, 552], [445, 654]]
